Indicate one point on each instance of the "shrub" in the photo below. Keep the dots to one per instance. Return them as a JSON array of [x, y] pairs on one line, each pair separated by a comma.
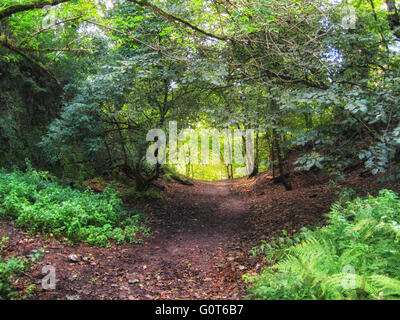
[[38, 204], [362, 235]]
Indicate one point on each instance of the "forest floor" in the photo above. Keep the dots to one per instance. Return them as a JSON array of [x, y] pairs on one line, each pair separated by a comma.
[[200, 242]]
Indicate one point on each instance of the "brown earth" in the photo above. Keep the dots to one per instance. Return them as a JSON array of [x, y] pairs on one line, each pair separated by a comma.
[[199, 248]]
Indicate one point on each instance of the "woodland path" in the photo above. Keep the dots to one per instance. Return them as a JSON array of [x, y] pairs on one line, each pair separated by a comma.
[[200, 242], [198, 250]]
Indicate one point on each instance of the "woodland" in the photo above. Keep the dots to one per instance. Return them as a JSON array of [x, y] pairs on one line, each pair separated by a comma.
[[84, 214]]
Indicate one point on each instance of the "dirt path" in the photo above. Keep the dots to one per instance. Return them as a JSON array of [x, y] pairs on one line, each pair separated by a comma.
[[201, 236], [198, 250]]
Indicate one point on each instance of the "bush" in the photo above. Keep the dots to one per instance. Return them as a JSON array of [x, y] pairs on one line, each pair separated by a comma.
[[38, 204], [355, 256]]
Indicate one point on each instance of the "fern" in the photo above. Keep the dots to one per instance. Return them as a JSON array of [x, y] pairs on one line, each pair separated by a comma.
[[362, 234], [389, 287]]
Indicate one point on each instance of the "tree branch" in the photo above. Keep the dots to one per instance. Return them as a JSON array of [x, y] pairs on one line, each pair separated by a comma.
[[6, 44], [28, 5], [150, 46], [47, 28], [57, 49], [160, 12]]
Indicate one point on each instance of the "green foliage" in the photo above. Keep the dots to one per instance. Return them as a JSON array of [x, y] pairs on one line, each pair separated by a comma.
[[27, 104], [362, 234], [36, 255], [3, 243], [134, 193], [8, 270], [306, 162], [39, 205], [274, 249], [12, 267], [124, 69], [171, 175]]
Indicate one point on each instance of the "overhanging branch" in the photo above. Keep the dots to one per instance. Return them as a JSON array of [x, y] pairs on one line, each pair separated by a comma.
[[170, 17], [150, 46], [6, 44], [28, 5]]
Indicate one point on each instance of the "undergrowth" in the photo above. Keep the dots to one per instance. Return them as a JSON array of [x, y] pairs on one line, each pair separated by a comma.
[[355, 256], [38, 204], [11, 268], [147, 195]]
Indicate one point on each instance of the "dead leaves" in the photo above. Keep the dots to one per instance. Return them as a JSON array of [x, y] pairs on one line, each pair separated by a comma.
[[200, 245]]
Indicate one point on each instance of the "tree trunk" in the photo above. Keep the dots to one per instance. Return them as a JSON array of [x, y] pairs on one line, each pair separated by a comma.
[[256, 157], [285, 181], [229, 171], [272, 158]]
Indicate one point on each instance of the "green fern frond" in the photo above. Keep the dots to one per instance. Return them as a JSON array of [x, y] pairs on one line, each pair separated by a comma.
[[388, 286]]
